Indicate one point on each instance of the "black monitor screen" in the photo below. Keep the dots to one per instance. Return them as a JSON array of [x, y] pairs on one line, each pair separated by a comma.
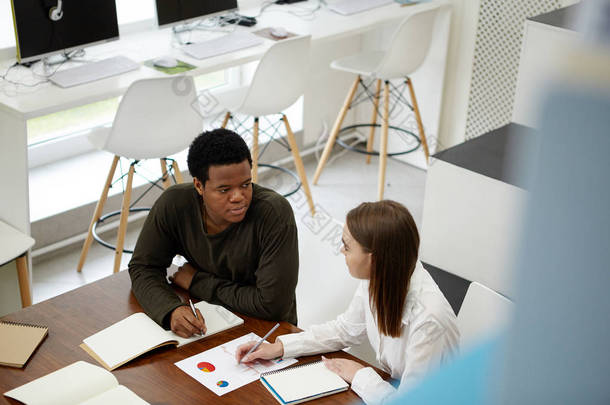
[[83, 22], [175, 11]]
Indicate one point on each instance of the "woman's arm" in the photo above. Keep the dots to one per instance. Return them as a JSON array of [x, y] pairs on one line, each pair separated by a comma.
[[427, 346], [348, 329]]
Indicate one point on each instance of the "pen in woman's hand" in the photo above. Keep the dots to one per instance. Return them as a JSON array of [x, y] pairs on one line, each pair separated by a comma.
[[253, 348]]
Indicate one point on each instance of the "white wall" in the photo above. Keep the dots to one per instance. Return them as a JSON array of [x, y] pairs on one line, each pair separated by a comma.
[[458, 76]]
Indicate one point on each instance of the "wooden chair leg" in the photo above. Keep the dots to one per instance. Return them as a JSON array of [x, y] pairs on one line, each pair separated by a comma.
[[383, 146], [166, 182], [24, 280], [97, 214], [177, 173], [369, 143], [255, 151], [123, 222], [299, 164], [226, 119], [420, 124], [335, 131]]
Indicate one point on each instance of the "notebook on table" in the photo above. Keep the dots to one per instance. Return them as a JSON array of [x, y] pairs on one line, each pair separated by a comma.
[[138, 334], [79, 383], [303, 383], [19, 340]]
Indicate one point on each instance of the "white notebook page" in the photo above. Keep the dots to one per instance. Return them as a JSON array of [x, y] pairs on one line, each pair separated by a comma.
[[127, 339], [304, 381], [67, 386], [118, 395]]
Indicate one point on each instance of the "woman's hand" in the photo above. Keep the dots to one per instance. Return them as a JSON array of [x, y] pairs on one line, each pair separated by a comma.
[[346, 369], [266, 351], [184, 276]]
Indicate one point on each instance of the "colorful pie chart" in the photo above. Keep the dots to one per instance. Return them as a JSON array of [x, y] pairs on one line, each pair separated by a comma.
[[206, 367], [222, 383]]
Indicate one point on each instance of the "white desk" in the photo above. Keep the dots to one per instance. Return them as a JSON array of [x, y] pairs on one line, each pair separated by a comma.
[[322, 100]]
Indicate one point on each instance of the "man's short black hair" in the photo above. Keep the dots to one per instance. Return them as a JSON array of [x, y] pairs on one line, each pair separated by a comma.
[[217, 147]]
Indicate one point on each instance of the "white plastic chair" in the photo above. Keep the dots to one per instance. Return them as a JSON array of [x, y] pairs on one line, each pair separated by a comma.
[[156, 118], [14, 245], [278, 82], [406, 52], [483, 313]]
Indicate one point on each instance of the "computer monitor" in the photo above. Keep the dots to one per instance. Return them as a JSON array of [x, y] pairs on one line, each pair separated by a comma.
[[44, 27], [173, 12]]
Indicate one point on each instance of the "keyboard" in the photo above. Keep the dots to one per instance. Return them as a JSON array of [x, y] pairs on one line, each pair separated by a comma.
[[221, 45], [349, 7], [93, 71]]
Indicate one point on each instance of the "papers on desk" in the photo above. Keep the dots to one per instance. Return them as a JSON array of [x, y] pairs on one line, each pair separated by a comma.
[[79, 383], [218, 370], [138, 334]]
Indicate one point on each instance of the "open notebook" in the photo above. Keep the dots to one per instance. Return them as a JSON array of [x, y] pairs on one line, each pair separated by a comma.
[[79, 383], [137, 334], [303, 383], [18, 342]]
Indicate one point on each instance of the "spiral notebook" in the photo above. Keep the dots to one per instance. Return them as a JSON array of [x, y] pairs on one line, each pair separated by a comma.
[[19, 340], [303, 383]]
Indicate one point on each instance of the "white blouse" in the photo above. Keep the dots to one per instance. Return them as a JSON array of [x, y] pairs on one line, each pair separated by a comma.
[[429, 337]]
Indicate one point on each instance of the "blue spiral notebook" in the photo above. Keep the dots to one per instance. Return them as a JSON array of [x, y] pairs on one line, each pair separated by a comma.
[[303, 383]]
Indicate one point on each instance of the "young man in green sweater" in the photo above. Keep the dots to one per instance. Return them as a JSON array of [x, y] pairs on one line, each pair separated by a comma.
[[239, 240]]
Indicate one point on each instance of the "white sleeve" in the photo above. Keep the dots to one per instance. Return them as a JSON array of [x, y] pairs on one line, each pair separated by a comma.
[[427, 346], [348, 329]]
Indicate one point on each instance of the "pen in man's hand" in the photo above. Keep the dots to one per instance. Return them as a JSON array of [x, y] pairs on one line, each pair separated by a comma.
[[253, 348], [195, 313]]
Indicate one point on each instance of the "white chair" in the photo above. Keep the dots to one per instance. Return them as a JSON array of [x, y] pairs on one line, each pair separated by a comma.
[[14, 245], [278, 82], [156, 118], [483, 313], [406, 52]]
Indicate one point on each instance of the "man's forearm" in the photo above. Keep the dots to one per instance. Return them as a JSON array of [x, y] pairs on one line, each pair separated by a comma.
[[271, 304], [154, 294]]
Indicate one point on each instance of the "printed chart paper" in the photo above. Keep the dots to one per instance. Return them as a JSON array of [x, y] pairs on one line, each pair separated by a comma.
[[218, 370]]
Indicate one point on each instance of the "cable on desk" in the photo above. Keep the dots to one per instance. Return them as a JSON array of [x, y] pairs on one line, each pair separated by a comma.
[[68, 56], [4, 77], [305, 13]]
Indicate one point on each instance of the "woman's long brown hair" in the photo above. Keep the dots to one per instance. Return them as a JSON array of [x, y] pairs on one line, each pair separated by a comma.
[[387, 230]]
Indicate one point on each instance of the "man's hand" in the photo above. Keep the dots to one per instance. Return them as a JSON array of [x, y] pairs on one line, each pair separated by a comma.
[[346, 369], [184, 276], [184, 323]]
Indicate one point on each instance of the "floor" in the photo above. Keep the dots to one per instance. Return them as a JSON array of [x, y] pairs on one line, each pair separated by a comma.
[[345, 183]]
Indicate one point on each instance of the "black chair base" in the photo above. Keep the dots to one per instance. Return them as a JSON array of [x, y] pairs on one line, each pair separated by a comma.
[[110, 215]]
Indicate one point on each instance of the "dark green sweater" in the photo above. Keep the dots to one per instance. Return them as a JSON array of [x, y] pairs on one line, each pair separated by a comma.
[[251, 267]]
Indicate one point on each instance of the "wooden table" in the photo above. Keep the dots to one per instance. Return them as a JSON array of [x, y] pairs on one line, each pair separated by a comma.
[[73, 316]]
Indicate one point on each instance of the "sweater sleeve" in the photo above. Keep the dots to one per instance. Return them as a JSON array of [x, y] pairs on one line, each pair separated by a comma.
[[271, 297], [348, 329], [152, 255]]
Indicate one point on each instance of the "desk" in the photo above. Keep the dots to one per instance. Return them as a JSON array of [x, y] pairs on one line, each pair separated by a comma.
[[73, 316]]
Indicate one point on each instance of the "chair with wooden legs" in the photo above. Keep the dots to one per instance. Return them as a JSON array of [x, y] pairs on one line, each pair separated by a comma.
[[156, 118], [14, 245], [406, 52], [278, 82]]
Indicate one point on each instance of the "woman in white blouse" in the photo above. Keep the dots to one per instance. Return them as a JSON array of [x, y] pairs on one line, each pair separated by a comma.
[[397, 306]]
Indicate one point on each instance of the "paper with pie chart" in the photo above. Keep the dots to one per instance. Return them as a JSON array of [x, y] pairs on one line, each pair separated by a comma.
[[218, 371]]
